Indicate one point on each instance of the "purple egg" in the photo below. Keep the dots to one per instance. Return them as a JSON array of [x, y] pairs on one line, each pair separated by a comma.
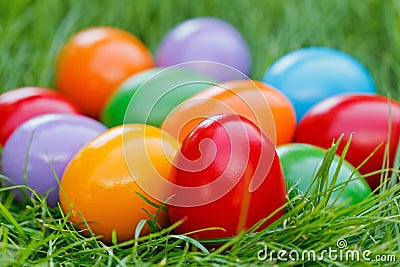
[[41, 144], [206, 39]]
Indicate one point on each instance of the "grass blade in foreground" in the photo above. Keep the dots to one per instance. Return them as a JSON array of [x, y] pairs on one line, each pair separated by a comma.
[[309, 226]]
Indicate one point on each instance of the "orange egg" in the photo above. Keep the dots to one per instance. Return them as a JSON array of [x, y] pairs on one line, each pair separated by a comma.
[[99, 184], [259, 102], [95, 61]]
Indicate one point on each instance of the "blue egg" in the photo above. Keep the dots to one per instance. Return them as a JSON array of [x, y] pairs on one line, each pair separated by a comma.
[[310, 75]]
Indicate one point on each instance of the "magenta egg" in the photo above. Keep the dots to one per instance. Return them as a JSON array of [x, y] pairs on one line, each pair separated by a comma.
[[207, 39], [39, 150]]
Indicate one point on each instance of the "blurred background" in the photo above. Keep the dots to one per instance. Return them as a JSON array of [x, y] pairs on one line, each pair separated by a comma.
[[32, 32]]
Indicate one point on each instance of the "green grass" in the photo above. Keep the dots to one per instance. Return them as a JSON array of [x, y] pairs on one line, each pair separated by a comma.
[[31, 33], [39, 235]]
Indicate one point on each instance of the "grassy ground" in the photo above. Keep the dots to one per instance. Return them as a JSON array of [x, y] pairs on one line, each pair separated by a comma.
[[31, 33]]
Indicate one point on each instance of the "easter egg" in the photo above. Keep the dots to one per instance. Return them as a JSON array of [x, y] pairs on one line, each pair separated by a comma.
[[101, 185], [231, 178], [94, 62], [114, 111], [148, 97], [259, 102], [38, 151], [21, 104], [309, 75], [367, 118], [206, 39], [300, 163]]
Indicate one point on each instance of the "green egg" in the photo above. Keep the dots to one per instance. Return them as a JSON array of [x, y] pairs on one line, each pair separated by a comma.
[[149, 96], [300, 162]]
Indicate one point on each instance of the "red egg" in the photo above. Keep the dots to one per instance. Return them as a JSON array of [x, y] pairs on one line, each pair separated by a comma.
[[368, 118], [231, 178], [22, 104]]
